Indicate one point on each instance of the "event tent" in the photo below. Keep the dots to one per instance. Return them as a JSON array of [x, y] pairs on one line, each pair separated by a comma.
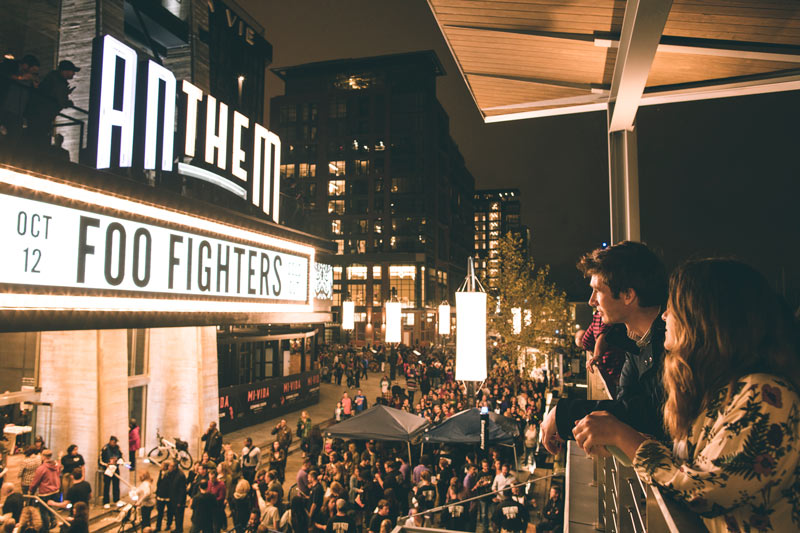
[[381, 423], [465, 428]]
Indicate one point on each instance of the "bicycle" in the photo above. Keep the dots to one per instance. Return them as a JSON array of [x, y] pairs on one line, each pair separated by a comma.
[[179, 451]]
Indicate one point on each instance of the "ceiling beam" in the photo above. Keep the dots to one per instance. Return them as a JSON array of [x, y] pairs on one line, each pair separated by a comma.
[[543, 81], [724, 90], [642, 27]]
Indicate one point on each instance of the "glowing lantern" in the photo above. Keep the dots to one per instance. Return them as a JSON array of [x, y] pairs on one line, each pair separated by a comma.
[[516, 320], [348, 315], [471, 328], [394, 318], [444, 319]]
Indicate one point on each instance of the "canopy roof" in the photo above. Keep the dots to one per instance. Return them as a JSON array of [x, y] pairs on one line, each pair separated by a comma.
[[465, 428], [531, 58], [380, 422]]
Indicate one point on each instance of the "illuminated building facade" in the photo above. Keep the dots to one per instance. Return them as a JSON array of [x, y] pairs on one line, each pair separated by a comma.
[[149, 278], [368, 161], [497, 212]]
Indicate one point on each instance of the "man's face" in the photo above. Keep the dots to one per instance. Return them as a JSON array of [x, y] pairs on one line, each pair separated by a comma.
[[112, 442], [504, 470], [612, 310], [68, 74]]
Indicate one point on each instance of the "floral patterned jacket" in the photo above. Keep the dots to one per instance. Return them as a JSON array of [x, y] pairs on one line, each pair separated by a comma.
[[741, 469]]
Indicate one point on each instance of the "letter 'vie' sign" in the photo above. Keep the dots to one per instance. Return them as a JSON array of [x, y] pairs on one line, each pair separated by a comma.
[[132, 114]]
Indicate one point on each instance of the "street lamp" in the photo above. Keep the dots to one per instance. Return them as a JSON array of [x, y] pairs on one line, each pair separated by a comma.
[[394, 318], [471, 328]]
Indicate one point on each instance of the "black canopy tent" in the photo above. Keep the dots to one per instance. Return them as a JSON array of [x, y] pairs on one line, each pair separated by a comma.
[[465, 428], [381, 423]]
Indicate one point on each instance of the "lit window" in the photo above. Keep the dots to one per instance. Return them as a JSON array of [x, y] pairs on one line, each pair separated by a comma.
[[307, 170], [376, 272], [361, 166], [339, 248], [337, 272], [336, 168], [356, 272], [402, 277], [336, 206], [361, 246], [378, 225], [494, 216], [287, 171], [336, 226], [335, 188]]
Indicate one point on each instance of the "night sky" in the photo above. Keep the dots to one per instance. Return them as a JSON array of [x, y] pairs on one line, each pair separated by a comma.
[[718, 177]]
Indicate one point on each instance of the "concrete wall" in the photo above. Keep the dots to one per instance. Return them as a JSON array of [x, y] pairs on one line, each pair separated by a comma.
[[84, 376]]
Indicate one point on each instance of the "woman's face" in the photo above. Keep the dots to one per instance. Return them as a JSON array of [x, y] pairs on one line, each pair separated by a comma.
[[671, 334]]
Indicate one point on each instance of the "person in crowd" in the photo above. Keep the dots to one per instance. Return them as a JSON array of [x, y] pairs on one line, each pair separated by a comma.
[[304, 430], [177, 494], [341, 522], [46, 481], [203, 510], [251, 455], [454, 515], [21, 79], [347, 406], [380, 515], [110, 460], [13, 502], [69, 462], [80, 518], [47, 101], [79, 491], [213, 442], [360, 402], [553, 512], [145, 497], [316, 494], [216, 487], [163, 491], [30, 520], [134, 441], [240, 505], [283, 434], [731, 378], [277, 460], [411, 383], [510, 515], [629, 286], [28, 468]]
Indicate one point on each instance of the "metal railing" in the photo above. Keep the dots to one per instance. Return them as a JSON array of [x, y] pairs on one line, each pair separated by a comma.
[[60, 519]]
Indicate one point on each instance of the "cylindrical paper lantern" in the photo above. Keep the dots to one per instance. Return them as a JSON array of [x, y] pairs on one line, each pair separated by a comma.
[[348, 315], [393, 322], [444, 319], [470, 336]]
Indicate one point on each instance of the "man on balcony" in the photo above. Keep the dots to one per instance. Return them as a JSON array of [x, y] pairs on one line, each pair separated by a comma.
[[629, 286]]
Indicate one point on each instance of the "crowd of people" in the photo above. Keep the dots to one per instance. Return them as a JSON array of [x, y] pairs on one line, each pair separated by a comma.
[[702, 400], [29, 105]]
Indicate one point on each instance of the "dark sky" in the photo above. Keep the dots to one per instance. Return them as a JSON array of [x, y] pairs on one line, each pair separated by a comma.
[[716, 177]]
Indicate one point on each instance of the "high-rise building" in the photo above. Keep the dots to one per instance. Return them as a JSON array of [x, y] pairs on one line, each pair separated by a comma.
[[497, 212], [368, 160]]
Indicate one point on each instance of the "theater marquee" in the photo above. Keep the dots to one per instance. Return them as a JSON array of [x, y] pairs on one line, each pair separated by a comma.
[[67, 247]]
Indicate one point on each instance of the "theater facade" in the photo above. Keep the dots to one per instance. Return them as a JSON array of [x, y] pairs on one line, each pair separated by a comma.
[[150, 277]]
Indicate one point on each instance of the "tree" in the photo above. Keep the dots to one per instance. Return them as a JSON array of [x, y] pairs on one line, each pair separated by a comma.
[[542, 313]]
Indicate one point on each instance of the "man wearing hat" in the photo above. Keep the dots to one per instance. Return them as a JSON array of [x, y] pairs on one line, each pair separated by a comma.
[[47, 102]]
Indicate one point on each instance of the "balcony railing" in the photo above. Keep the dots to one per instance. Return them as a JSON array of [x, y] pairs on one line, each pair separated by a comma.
[[605, 495]]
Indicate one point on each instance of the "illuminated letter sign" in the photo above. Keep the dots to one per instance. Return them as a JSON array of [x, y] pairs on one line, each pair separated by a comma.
[[131, 123], [71, 248]]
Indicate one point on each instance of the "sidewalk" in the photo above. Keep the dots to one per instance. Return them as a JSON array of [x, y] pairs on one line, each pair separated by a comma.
[[320, 413]]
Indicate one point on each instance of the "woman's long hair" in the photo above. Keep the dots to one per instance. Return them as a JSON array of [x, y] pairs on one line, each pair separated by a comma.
[[730, 323]]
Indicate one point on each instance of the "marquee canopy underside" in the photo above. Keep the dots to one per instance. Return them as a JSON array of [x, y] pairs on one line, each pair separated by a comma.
[[531, 58]]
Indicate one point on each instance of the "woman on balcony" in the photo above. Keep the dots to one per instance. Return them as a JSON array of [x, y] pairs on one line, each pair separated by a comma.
[[731, 379]]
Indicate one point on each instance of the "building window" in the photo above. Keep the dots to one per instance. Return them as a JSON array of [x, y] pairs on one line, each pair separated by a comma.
[[378, 226], [357, 272], [376, 272], [363, 225], [361, 246], [137, 352], [358, 293], [339, 248], [336, 168], [361, 167], [308, 170], [403, 278], [336, 206], [336, 226], [494, 216], [287, 171], [377, 301], [378, 184], [337, 108], [336, 188]]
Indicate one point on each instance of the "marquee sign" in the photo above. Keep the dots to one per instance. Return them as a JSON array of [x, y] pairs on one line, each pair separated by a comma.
[[132, 124], [75, 248]]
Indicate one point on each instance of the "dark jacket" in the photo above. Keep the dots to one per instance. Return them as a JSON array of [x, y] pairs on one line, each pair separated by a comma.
[[640, 397], [213, 444], [177, 492]]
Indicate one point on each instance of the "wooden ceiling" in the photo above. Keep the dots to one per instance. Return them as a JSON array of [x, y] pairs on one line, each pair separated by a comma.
[[529, 58]]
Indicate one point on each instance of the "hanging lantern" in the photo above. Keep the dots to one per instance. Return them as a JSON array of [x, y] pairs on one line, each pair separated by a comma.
[[444, 319], [394, 317], [471, 328], [348, 316], [516, 320]]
